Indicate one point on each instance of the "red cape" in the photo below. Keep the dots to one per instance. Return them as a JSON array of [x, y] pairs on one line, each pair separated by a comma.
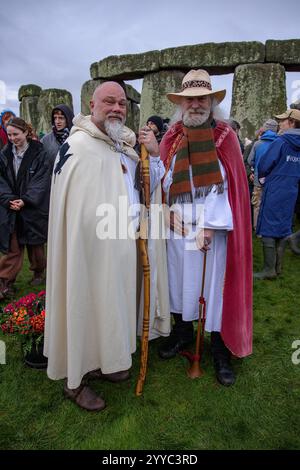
[[236, 329]]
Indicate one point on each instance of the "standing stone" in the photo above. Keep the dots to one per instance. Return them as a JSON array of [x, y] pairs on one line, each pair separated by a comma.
[[133, 109], [155, 88], [133, 116], [126, 66], [132, 94], [286, 52], [258, 94], [29, 90], [28, 97], [29, 111], [87, 91], [217, 58], [48, 99]]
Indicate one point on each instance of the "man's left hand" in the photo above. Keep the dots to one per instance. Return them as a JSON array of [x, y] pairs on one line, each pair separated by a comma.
[[147, 137]]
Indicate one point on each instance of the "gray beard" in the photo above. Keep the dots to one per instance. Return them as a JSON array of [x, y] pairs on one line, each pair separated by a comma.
[[114, 130], [194, 120]]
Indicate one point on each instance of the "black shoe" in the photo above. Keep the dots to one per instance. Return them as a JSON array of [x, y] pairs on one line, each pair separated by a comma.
[[172, 346], [224, 372]]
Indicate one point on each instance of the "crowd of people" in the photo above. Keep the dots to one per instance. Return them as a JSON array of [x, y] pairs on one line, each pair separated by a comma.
[[79, 190], [272, 164]]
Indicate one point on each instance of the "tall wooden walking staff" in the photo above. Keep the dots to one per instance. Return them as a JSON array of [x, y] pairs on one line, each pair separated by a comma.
[[195, 370], [143, 247]]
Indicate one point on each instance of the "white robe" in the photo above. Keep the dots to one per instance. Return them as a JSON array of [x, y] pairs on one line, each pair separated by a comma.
[[159, 324], [91, 282], [185, 266]]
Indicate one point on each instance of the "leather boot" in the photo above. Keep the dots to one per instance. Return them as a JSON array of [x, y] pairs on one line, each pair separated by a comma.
[[181, 336], [84, 397], [294, 241], [38, 278], [221, 358], [114, 377], [280, 248], [269, 252]]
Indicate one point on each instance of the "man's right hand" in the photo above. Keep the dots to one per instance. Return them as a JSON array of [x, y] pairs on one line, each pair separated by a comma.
[[204, 239], [176, 224]]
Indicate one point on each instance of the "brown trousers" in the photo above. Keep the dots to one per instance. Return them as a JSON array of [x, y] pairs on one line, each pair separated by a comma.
[[11, 264], [256, 200]]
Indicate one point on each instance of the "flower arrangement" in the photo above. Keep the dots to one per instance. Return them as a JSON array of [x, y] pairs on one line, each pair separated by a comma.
[[25, 319]]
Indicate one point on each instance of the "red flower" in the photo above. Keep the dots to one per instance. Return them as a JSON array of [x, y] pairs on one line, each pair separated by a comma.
[[25, 318]]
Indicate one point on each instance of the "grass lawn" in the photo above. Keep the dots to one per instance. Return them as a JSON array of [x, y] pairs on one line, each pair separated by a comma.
[[261, 411]]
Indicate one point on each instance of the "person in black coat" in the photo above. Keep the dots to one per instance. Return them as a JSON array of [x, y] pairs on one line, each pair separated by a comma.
[[25, 180]]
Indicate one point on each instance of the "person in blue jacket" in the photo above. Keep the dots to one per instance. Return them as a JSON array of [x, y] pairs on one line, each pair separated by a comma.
[[280, 169]]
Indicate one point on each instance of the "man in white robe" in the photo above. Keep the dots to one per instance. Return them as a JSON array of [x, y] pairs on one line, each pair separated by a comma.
[[91, 309], [199, 154]]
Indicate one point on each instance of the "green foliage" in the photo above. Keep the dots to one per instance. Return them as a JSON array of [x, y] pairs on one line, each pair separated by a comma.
[[261, 411]]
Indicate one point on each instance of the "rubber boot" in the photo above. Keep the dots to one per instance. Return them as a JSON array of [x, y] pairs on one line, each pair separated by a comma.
[[181, 336], [280, 248], [294, 241], [269, 252], [221, 357]]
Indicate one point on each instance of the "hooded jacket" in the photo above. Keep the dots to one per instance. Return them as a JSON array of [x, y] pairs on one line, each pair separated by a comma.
[[280, 165], [258, 149], [49, 141]]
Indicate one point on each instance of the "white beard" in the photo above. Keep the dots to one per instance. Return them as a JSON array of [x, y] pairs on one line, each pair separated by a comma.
[[114, 130], [193, 120]]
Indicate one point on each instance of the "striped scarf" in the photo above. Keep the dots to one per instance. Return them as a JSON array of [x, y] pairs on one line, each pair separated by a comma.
[[61, 136], [197, 149]]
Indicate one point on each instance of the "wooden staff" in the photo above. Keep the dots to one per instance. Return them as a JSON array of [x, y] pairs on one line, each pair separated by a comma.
[[142, 242], [195, 370]]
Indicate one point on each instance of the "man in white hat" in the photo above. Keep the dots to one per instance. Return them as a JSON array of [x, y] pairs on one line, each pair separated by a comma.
[[204, 168]]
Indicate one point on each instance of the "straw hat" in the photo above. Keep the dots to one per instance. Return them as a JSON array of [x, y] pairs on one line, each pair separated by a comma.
[[196, 83]]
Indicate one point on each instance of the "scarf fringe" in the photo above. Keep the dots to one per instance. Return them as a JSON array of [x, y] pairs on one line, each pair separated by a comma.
[[185, 198], [203, 191]]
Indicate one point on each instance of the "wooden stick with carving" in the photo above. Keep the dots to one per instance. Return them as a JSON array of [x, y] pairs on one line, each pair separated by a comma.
[[143, 247]]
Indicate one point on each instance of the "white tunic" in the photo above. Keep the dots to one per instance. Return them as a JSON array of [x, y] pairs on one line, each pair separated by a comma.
[[185, 266], [159, 325], [157, 171]]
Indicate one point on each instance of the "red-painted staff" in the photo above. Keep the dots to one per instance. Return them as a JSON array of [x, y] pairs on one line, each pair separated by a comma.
[[195, 370]]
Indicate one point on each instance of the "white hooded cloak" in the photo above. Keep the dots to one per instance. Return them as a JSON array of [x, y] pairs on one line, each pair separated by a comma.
[[91, 283]]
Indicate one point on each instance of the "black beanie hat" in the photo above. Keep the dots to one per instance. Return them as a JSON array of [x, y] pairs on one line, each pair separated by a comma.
[[157, 121]]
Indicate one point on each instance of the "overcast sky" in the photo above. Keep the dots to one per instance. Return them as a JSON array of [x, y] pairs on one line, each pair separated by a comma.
[[52, 43]]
